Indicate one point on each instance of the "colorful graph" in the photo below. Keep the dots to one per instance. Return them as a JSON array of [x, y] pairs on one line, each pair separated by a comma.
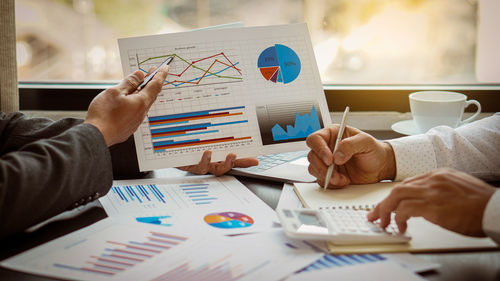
[[198, 193], [177, 130], [329, 260], [279, 63], [139, 193], [158, 220], [303, 126], [288, 122], [192, 73], [118, 256], [228, 220]]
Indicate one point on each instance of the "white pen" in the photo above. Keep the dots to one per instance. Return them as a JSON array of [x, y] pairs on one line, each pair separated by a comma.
[[329, 172]]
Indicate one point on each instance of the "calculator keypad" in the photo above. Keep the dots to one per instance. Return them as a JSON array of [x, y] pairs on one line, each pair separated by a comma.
[[355, 222]]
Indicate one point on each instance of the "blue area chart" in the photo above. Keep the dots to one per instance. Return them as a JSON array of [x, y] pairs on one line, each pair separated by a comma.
[[304, 125], [279, 64]]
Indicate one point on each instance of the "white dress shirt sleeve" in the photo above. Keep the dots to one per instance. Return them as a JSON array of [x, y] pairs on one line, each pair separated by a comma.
[[491, 217], [473, 148]]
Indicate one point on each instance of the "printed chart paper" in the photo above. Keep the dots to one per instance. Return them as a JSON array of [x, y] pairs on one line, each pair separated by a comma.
[[110, 250], [106, 250], [210, 204], [251, 91]]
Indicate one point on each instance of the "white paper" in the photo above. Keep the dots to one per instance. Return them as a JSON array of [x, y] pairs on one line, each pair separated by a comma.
[[288, 198], [228, 90], [383, 271], [209, 204], [106, 250], [263, 256]]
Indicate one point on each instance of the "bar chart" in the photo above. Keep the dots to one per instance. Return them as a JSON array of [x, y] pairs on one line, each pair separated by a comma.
[[116, 256], [197, 128], [329, 260]]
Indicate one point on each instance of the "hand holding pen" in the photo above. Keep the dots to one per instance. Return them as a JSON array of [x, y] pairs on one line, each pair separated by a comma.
[[329, 172], [152, 74]]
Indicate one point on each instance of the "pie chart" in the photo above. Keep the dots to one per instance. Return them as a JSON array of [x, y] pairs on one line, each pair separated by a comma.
[[228, 220], [279, 64]]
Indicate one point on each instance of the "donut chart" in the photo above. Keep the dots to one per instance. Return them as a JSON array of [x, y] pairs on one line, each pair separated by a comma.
[[228, 220], [279, 64]]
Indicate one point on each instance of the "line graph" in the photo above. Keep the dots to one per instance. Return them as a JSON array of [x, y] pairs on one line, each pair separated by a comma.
[[195, 71]]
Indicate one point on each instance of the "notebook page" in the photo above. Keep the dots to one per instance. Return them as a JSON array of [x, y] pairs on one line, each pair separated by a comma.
[[363, 196]]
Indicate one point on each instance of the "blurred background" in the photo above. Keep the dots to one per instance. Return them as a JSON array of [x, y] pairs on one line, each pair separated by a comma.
[[355, 41]]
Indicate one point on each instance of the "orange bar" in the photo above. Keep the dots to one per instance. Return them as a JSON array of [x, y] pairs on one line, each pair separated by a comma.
[[194, 118], [200, 142]]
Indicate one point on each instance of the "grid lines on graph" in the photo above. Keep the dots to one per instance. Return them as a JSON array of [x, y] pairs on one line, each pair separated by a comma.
[[211, 69]]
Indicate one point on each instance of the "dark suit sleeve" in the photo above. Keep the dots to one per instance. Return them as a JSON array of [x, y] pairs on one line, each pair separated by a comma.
[[47, 168]]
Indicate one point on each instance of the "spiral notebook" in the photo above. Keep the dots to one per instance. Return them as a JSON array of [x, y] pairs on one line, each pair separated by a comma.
[[426, 237]]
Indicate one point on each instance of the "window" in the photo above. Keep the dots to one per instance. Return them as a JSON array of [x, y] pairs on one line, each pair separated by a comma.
[[355, 41]]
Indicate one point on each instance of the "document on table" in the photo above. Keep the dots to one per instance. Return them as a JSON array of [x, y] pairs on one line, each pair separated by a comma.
[[249, 90], [110, 250], [379, 271], [205, 203]]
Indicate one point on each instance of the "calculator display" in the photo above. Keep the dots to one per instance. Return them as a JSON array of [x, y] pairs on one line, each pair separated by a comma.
[[311, 223]]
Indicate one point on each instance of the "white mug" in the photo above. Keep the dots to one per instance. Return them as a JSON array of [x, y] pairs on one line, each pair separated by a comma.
[[434, 108]]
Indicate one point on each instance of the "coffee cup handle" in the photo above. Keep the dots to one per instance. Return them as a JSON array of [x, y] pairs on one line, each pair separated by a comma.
[[478, 105]]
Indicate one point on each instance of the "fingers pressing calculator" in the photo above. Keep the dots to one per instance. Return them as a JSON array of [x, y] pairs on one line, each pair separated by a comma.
[[338, 226]]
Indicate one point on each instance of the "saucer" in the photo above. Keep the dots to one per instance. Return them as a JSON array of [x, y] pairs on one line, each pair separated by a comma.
[[405, 127]]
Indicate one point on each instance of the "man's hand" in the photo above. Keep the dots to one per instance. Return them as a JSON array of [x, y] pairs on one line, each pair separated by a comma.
[[119, 110], [359, 158], [446, 197], [219, 168]]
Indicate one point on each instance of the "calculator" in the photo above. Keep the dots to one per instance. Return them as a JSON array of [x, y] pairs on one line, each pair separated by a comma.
[[338, 226]]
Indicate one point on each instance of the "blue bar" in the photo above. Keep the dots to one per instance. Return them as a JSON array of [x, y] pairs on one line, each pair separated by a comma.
[[138, 198], [199, 199], [180, 128], [196, 191], [173, 123], [122, 195], [195, 188], [127, 189], [330, 259], [193, 184], [379, 257], [229, 123], [157, 190], [190, 114], [156, 195], [323, 263], [114, 190], [143, 191], [160, 143], [355, 259], [368, 258], [200, 203], [187, 134], [197, 195], [343, 259]]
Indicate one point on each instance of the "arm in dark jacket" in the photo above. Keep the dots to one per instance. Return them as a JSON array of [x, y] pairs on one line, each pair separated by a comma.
[[48, 167]]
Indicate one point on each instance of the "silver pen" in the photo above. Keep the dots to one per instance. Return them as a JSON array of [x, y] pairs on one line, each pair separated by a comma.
[[329, 172], [152, 74]]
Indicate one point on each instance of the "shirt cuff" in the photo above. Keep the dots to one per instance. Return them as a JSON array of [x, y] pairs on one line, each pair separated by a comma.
[[414, 156], [491, 217]]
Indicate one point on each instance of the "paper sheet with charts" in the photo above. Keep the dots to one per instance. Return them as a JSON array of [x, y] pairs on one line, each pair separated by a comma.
[[252, 91]]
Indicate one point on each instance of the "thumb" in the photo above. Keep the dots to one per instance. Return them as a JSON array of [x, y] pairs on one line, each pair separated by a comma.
[[351, 146]]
